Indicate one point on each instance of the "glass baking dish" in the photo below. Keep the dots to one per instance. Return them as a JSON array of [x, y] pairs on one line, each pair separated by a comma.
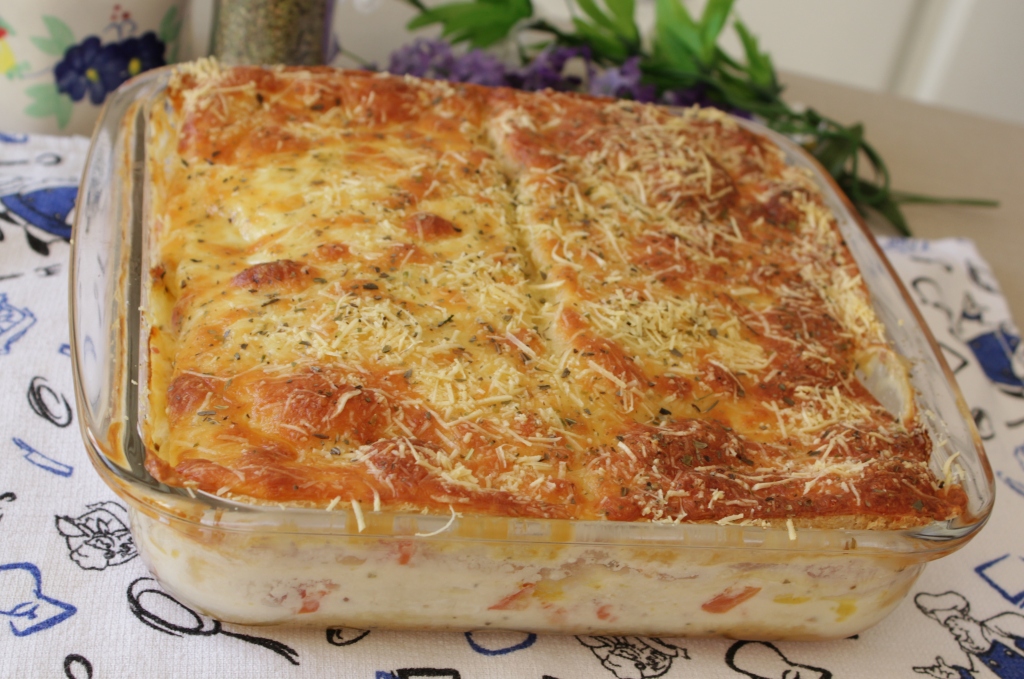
[[253, 564]]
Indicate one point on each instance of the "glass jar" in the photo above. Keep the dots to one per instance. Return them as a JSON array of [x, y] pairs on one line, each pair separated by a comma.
[[294, 32]]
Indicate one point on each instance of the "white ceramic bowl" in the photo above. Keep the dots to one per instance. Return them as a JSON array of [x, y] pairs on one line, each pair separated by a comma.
[[60, 58]]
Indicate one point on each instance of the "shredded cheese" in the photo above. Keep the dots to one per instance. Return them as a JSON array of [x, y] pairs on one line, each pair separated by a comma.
[[578, 309]]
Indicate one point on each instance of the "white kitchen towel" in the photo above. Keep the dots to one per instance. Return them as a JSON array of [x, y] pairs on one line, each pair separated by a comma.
[[76, 601]]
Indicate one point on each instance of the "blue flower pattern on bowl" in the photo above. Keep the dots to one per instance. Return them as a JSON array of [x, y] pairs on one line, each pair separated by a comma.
[[98, 69], [84, 70], [88, 67]]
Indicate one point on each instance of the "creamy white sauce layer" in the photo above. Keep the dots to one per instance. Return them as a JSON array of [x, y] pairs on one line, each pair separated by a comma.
[[438, 583]]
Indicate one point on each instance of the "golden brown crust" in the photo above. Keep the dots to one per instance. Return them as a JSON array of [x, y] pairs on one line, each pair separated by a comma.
[[421, 295]]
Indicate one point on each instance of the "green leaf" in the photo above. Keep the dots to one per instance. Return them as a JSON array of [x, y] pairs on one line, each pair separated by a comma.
[[602, 44], [677, 42], [170, 26], [902, 197], [48, 101], [59, 31], [64, 108], [624, 12], [18, 71], [618, 25], [885, 205], [836, 149], [6, 26], [481, 23], [59, 39], [677, 51], [592, 11], [666, 77], [759, 64], [43, 96], [542, 26], [724, 59], [673, 23], [716, 12], [46, 46], [891, 211]]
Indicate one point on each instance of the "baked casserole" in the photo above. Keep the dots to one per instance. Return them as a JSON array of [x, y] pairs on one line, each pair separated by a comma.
[[386, 292], [371, 351]]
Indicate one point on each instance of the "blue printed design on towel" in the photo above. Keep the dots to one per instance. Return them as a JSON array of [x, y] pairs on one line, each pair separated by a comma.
[[14, 323], [996, 346], [45, 209], [1006, 576], [23, 603], [40, 207], [1015, 485], [995, 352], [484, 643], [995, 643], [43, 461], [13, 138]]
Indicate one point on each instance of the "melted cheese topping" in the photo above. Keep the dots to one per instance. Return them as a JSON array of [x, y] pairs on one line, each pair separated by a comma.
[[372, 289]]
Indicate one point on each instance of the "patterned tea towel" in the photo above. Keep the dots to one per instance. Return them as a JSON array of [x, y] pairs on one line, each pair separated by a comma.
[[75, 601]]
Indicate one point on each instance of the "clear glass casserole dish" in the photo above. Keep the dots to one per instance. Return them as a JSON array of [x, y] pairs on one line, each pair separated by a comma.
[[259, 564]]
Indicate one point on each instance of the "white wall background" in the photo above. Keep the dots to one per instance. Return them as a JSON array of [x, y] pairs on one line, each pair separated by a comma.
[[962, 54]]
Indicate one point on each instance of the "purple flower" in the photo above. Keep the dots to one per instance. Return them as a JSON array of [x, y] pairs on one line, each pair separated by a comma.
[[479, 67], [422, 58], [435, 59], [622, 81], [545, 71], [690, 96], [698, 96], [90, 67]]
